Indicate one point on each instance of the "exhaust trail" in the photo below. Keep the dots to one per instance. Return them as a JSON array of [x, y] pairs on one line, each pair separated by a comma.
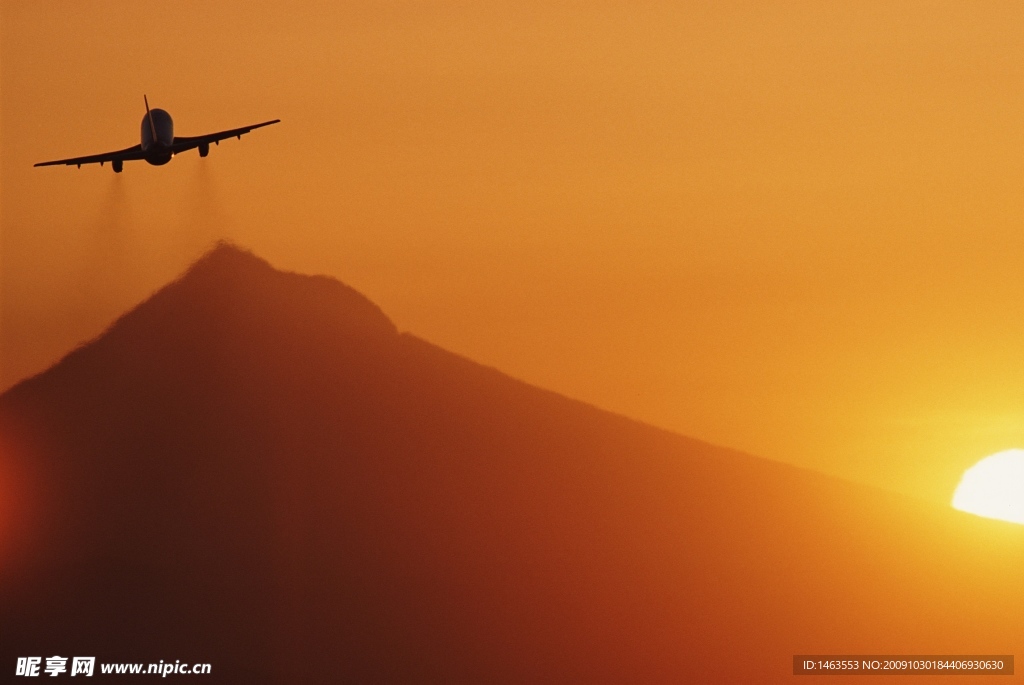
[[109, 256], [206, 221]]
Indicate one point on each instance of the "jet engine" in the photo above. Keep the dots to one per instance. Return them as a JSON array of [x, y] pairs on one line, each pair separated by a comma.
[[204, 149], [118, 165]]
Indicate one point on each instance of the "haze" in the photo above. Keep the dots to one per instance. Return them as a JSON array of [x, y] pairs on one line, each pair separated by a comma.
[[790, 230]]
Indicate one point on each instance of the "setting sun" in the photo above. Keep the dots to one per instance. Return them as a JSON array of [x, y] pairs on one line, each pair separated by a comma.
[[994, 487]]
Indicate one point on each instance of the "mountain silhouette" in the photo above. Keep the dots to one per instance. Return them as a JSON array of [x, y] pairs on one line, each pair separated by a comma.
[[257, 470]]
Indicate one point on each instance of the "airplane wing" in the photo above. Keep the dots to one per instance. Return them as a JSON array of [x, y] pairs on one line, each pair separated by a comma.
[[134, 152], [187, 143]]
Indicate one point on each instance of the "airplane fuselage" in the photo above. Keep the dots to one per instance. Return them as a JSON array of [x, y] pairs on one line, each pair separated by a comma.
[[157, 137]]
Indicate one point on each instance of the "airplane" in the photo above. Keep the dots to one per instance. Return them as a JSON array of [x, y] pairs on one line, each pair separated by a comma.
[[159, 144]]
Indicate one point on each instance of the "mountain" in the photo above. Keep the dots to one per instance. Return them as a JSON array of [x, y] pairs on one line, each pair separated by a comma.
[[256, 470]]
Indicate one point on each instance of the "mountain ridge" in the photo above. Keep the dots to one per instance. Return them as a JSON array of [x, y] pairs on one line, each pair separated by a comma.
[[229, 259], [265, 463]]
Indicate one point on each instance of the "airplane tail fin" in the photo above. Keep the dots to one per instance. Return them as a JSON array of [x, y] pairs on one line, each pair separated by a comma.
[[152, 126]]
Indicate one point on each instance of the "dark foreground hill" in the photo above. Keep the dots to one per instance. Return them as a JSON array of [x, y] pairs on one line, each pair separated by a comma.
[[256, 470]]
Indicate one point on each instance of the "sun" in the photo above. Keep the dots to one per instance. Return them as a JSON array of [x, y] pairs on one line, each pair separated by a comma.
[[994, 487]]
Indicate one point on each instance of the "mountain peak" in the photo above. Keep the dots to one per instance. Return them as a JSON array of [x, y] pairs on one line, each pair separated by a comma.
[[227, 256], [231, 283], [230, 289], [231, 294]]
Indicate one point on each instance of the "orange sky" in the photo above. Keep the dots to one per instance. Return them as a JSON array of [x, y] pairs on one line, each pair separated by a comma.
[[793, 230]]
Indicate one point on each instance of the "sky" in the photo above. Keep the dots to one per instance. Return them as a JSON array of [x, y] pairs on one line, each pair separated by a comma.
[[790, 228]]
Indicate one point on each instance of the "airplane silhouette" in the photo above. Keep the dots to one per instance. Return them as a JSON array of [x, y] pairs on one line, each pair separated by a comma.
[[159, 144]]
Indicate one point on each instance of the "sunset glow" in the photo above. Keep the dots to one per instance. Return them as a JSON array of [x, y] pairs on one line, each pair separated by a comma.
[[994, 487], [688, 213], [524, 341]]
